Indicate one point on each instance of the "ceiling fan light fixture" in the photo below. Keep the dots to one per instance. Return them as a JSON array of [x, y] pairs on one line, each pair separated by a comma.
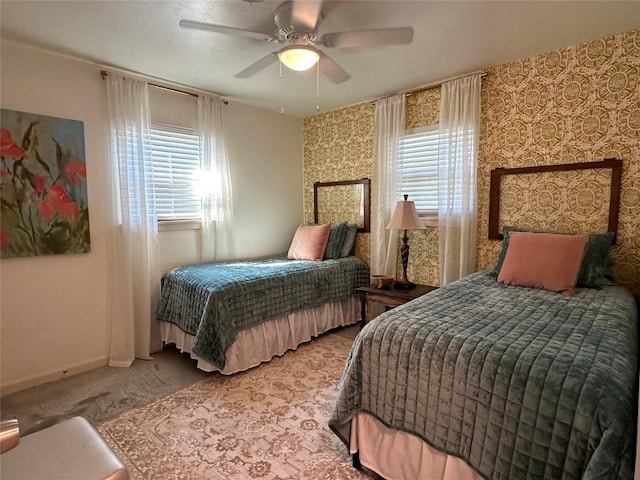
[[298, 57]]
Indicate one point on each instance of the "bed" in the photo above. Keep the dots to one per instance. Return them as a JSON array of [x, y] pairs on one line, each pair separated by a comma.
[[529, 370], [231, 316], [495, 381]]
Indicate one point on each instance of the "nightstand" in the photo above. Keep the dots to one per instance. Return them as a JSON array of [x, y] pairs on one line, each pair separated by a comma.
[[378, 300]]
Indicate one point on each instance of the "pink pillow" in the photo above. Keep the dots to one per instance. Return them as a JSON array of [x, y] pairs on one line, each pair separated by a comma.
[[309, 242], [543, 260]]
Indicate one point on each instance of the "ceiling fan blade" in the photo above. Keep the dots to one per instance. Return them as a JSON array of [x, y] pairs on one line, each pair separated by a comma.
[[332, 70], [368, 38], [306, 14], [210, 27], [254, 68]]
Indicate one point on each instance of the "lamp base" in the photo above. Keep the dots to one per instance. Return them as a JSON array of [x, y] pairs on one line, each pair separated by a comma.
[[404, 285]]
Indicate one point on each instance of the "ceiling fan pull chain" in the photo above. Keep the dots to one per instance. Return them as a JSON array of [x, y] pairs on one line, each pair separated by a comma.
[[281, 109], [317, 86]]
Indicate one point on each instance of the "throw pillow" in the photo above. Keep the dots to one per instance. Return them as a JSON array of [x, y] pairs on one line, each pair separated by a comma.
[[506, 230], [543, 260], [349, 240], [336, 240], [596, 266], [309, 242]]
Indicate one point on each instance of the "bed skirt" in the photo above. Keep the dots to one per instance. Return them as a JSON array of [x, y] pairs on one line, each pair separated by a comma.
[[272, 338], [395, 454]]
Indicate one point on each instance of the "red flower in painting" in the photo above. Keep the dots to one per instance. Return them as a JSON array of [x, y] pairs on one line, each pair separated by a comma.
[[59, 202], [75, 171], [69, 209], [39, 183], [3, 172], [58, 195], [5, 239], [47, 209], [8, 147]]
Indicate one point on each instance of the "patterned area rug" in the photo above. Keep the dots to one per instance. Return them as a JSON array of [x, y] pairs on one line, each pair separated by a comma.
[[266, 423]]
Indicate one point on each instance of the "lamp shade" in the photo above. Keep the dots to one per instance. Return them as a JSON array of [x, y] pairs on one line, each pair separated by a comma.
[[299, 57], [405, 216]]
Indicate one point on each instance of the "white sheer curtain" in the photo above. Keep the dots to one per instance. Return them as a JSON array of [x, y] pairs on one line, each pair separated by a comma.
[[135, 263], [218, 240], [388, 128], [457, 165]]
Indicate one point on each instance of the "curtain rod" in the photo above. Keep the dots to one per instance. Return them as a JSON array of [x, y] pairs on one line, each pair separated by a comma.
[[104, 74], [431, 86]]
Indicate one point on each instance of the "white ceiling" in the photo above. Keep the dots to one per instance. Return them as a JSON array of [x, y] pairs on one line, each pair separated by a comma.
[[451, 38]]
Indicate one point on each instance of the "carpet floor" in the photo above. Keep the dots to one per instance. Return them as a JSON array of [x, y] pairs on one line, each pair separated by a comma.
[[269, 422], [168, 420], [103, 393]]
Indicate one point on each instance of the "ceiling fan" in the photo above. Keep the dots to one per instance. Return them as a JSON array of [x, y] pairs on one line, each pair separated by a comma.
[[297, 23]]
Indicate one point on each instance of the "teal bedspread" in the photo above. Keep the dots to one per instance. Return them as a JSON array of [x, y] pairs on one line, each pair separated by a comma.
[[520, 383], [214, 301]]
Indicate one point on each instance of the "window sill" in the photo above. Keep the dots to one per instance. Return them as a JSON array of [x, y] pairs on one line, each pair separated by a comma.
[[429, 220], [174, 225]]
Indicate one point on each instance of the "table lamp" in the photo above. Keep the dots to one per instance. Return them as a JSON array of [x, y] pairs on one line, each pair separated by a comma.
[[405, 218]]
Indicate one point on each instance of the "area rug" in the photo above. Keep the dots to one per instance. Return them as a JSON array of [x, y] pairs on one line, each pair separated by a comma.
[[266, 423]]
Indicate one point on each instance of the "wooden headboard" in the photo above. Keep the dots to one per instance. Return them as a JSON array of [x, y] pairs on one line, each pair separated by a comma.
[[495, 200]]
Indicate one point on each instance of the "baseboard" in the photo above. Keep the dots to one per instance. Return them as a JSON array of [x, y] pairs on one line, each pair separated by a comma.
[[57, 374]]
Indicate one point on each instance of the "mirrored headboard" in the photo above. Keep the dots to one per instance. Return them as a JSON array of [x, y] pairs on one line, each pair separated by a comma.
[[348, 200]]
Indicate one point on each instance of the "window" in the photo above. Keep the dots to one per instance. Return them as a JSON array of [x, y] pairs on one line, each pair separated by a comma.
[[176, 166], [417, 174]]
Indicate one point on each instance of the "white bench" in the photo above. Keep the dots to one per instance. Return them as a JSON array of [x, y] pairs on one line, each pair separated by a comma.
[[69, 450]]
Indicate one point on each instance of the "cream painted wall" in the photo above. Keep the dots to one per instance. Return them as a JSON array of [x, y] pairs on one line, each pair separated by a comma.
[[265, 154], [265, 157], [54, 310]]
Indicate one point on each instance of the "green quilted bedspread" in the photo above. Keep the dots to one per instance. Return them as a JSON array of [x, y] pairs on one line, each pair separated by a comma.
[[214, 301], [520, 383]]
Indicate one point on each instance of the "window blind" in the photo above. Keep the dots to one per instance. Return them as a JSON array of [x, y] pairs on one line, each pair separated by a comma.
[[176, 164], [417, 174]]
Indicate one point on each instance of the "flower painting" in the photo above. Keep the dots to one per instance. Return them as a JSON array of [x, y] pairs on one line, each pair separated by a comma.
[[43, 186]]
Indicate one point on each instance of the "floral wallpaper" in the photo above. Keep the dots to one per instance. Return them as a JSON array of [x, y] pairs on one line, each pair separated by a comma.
[[338, 145], [566, 202], [578, 104], [341, 202], [573, 105]]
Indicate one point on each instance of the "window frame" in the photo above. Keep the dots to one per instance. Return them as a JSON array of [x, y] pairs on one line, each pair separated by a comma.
[[175, 222], [429, 217]]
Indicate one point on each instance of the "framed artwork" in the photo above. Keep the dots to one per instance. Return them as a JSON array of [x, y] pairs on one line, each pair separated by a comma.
[[43, 186]]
